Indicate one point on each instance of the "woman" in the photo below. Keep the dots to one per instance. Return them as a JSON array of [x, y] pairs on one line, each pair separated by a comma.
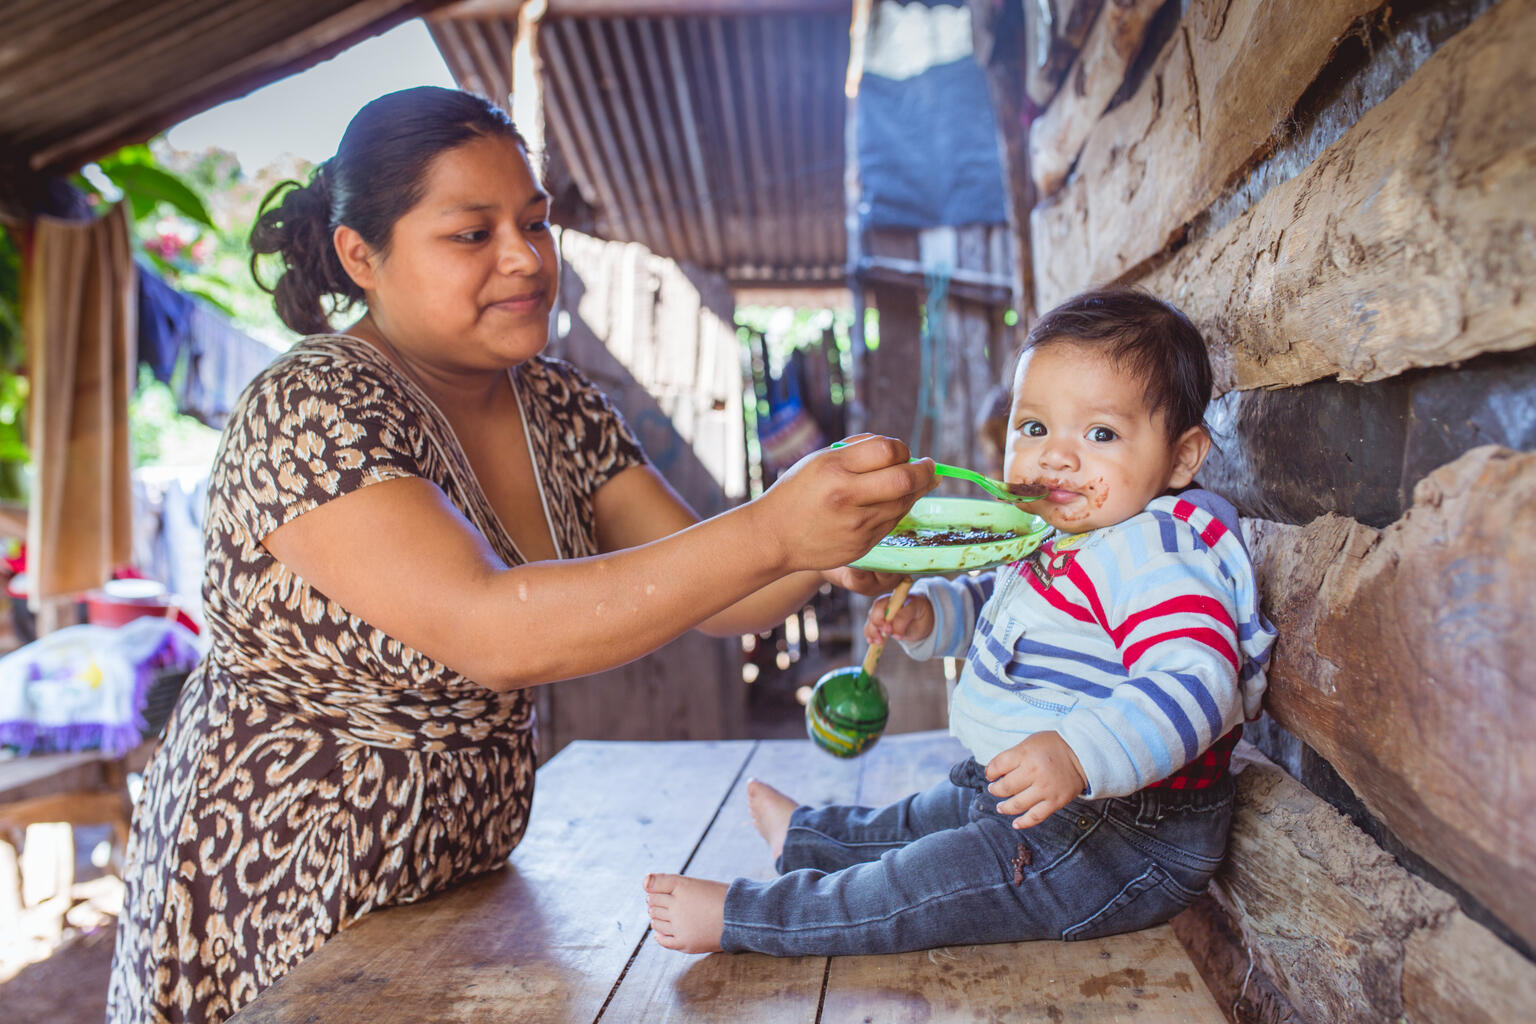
[[409, 524]]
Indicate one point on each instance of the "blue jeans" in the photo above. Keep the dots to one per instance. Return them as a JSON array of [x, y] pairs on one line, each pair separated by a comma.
[[942, 868]]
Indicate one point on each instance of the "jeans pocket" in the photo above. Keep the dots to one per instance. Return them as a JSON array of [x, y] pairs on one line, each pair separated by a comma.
[[1148, 899]]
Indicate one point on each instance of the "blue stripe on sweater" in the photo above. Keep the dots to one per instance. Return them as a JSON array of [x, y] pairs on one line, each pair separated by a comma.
[[1045, 674], [1171, 711], [1025, 647], [1203, 698]]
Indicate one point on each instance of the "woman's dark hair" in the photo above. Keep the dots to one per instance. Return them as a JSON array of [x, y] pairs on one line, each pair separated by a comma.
[[377, 174], [1144, 336]]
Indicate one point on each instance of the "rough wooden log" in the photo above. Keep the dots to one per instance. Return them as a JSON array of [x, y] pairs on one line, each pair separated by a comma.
[[1404, 660], [1221, 956], [1461, 973], [1211, 104], [1054, 32], [1057, 136], [1406, 243], [1341, 930], [1378, 440]]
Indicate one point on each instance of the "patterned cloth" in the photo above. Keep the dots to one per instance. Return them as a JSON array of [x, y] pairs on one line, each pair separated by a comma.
[[316, 768], [1141, 644]]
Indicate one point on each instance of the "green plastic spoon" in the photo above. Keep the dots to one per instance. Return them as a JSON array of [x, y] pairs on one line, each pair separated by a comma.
[[997, 488]]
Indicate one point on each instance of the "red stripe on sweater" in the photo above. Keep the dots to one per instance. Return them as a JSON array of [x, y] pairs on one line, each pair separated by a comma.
[[1213, 532], [1184, 604], [1210, 637], [1056, 600], [1085, 586]]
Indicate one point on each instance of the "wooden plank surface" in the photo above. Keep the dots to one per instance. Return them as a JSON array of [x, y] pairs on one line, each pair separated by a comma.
[[547, 938], [1406, 243], [27, 778], [1210, 105], [1347, 934], [560, 935], [665, 986], [1404, 659]]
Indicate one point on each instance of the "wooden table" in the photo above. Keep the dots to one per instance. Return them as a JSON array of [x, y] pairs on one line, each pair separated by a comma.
[[561, 934]]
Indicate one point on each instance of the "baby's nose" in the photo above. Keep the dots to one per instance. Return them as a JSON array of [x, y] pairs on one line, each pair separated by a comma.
[[1058, 456]]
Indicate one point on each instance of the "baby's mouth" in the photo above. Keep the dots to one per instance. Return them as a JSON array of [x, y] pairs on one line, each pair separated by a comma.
[[1054, 491]]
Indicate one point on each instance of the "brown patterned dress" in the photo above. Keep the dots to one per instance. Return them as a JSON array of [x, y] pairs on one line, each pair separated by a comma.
[[316, 768]]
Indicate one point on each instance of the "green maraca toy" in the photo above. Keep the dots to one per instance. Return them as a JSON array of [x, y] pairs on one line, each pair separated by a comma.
[[848, 708]]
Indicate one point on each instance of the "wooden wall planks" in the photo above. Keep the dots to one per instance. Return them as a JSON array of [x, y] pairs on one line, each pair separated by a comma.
[[1404, 660], [1406, 243], [1387, 239], [658, 337], [1205, 111], [1346, 934]]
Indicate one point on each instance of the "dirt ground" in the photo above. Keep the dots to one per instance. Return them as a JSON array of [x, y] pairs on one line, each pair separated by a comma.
[[69, 987], [53, 965]]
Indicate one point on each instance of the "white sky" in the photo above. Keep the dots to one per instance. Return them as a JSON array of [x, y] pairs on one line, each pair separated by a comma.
[[306, 113]]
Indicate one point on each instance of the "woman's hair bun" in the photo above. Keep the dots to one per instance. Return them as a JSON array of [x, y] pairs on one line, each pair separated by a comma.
[[295, 224]]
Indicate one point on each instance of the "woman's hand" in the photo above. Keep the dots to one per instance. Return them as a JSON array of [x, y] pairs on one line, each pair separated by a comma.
[[832, 506], [1039, 776], [862, 581]]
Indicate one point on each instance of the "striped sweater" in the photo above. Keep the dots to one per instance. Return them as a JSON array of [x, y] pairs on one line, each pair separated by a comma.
[[1141, 643]]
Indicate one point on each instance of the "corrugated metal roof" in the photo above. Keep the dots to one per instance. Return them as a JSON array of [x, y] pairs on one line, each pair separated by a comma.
[[79, 78], [712, 138]]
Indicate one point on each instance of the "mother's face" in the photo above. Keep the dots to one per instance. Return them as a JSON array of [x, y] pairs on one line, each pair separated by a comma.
[[471, 272]]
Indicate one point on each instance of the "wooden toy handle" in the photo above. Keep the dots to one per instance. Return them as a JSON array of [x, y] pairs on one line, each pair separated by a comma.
[[898, 598]]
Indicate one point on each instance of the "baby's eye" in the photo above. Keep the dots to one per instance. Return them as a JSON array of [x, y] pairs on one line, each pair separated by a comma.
[[1101, 434], [1032, 428], [537, 227]]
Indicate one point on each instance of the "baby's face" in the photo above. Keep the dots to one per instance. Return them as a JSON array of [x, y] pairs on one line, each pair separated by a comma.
[[1081, 428]]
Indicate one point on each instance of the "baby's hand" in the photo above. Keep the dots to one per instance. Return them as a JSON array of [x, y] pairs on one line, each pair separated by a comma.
[[1039, 776], [913, 620]]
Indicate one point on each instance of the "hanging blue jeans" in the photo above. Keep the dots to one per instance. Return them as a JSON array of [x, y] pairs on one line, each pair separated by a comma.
[[942, 868]]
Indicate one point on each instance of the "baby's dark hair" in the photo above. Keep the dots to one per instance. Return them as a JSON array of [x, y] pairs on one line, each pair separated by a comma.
[[378, 173], [1145, 336]]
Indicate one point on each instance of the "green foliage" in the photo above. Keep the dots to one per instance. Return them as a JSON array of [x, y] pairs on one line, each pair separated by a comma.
[[146, 185], [11, 344], [13, 386]]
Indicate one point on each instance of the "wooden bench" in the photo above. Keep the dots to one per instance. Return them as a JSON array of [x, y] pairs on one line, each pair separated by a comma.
[[561, 934]]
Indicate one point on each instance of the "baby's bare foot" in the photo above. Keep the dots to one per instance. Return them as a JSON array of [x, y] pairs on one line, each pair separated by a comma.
[[770, 813], [687, 914]]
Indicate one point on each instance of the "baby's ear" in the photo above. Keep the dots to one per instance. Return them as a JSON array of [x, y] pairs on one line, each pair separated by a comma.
[[1189, 453]]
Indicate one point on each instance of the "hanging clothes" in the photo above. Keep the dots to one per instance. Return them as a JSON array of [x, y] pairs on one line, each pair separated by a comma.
[[164, 313], [789, 432], [79, 306], [927, 136], [221, 361]]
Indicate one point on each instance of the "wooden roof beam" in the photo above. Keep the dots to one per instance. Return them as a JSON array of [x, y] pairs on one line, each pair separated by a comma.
[[290, 55], [641, 8]]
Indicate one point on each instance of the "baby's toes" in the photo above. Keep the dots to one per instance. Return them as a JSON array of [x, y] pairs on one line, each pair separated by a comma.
[[660, 884]]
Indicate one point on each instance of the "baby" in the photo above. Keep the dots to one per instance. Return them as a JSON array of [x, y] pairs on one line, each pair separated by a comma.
[[1105, 683]]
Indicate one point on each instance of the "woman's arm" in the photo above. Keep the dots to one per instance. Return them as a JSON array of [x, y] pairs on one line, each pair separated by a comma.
[[638, 506], [399, 555]]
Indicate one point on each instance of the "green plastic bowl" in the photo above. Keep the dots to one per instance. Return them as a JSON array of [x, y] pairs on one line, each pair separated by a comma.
[[1027, 531]]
